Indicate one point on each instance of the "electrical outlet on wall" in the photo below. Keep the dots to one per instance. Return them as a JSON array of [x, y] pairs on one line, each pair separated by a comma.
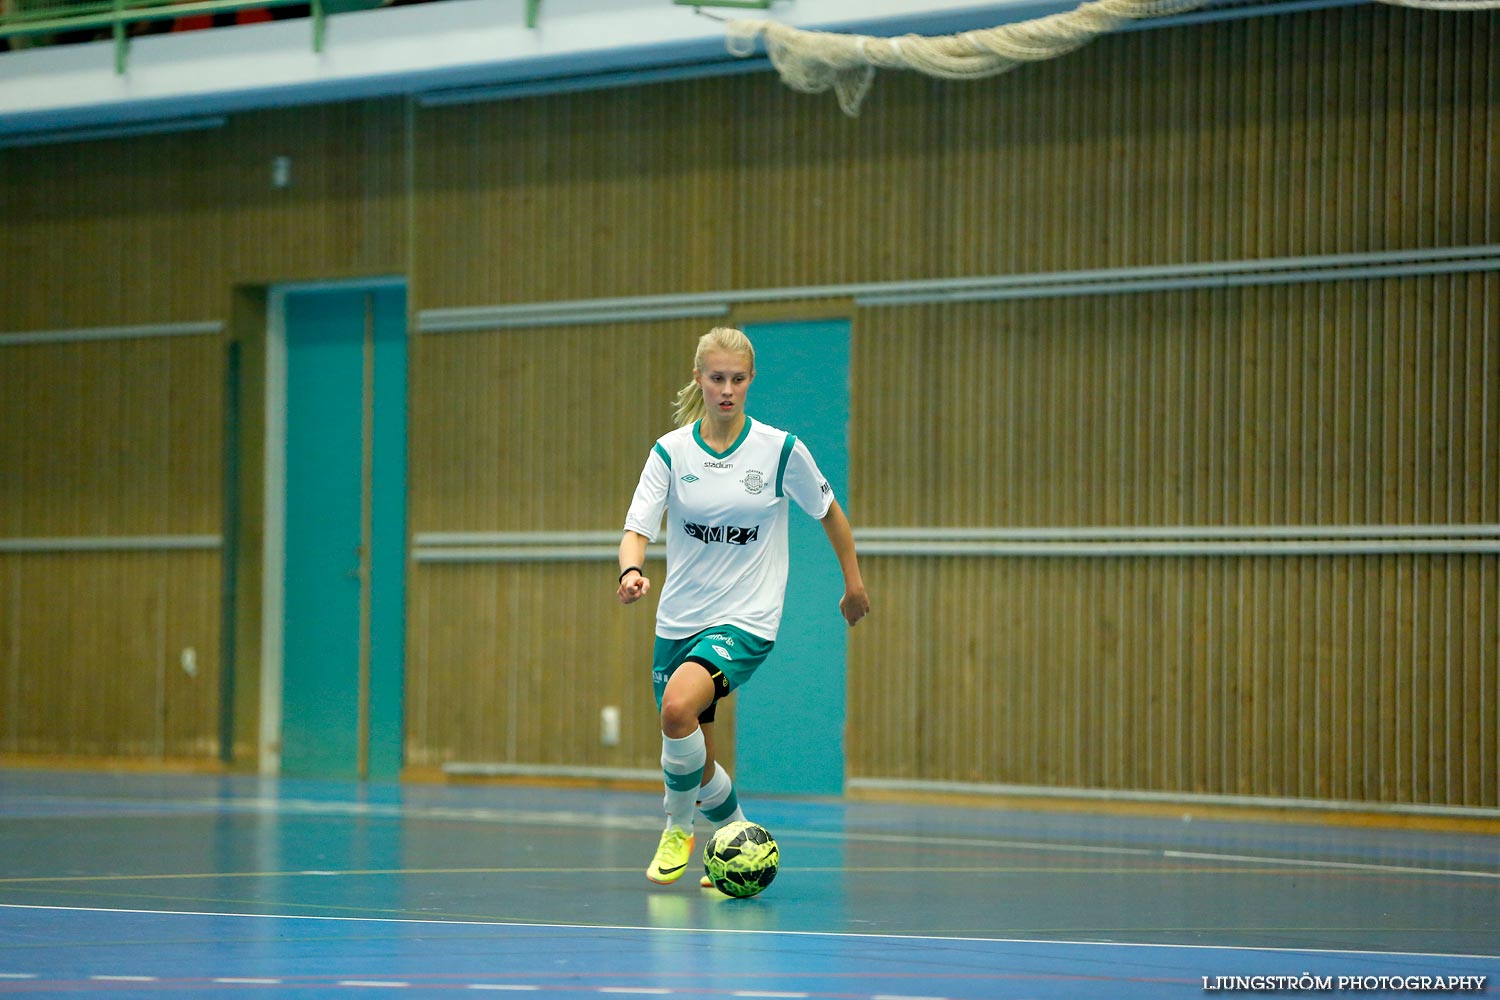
[[609, 726]]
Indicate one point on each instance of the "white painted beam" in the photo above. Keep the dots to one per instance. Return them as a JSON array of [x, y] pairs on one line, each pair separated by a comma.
[[415, 49]]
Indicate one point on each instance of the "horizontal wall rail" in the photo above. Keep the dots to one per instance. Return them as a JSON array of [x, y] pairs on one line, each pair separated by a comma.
[[431, 539], [1183, 532], [524, 554], [1208, 540], [1298, 547], [110, 333], [91, 133], [1054, 284], [112, 543], [1150, 540], [513, 547], [483, 769], [583, 82], [1168, 798]]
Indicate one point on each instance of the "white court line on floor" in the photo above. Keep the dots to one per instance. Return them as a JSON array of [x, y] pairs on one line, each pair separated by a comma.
[[123, 979], [1367, 866], [561, 817], [518, 987], [532, 817], [607, 990], [840, 935]]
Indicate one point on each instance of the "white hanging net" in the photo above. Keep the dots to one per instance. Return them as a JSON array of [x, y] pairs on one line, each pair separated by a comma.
[[815, 62]]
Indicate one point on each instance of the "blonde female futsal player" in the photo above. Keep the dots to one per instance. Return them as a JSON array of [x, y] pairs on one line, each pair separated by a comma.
[[723, 481]]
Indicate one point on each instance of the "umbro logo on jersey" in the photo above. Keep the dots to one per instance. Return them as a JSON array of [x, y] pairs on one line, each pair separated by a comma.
[[690, 478]]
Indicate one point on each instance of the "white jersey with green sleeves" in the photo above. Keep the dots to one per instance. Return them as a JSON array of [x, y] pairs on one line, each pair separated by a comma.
[[726, 525]]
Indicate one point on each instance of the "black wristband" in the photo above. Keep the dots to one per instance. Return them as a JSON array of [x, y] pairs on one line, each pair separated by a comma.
[[629, 569]]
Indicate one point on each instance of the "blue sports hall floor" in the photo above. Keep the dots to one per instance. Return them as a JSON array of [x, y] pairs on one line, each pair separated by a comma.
[[136, 886]]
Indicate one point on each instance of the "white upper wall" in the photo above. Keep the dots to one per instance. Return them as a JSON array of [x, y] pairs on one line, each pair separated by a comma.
[[418, 49]]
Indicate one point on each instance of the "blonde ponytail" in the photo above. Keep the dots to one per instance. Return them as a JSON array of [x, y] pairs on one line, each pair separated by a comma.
[[689, 406]]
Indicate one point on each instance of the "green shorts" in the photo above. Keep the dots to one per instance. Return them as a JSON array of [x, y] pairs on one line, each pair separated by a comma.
[[729, 654]]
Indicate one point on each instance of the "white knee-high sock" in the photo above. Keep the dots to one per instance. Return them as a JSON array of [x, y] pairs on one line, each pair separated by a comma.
[[717, 801], [682, 763]]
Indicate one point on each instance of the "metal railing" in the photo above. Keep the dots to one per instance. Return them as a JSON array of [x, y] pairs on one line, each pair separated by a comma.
[[41, 21], [47, 20]]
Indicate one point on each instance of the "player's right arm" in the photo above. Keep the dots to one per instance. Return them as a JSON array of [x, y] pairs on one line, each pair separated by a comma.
[[641, 524], [634, 584]]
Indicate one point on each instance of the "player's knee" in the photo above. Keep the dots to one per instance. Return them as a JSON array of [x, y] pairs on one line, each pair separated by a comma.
[[679, 715]]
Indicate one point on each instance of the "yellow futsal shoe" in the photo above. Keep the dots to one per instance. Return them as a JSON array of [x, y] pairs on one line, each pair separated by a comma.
[[672, 856]]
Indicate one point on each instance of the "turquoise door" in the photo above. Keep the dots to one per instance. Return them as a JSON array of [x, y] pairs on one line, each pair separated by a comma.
[[344, 590], [789, 723]]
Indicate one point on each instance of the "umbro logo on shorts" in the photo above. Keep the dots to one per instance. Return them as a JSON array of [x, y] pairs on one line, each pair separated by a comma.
[[723, 652]]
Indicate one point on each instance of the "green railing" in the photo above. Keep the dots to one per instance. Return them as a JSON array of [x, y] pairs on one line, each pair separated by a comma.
[[40, 19]]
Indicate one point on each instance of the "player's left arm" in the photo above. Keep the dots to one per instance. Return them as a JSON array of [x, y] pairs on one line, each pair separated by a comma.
[[855, 603]]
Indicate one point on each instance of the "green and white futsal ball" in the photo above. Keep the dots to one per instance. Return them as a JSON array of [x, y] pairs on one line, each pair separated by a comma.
[[740, 859]]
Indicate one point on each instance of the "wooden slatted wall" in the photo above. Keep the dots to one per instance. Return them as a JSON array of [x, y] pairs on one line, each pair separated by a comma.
[[1300, 404], [533, 430], [123, 436], [1355, 402], [106, 439], [1362, 677]]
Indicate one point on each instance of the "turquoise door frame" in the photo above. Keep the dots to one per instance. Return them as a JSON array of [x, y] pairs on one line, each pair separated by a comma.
[[789, 721], [344, 551]]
